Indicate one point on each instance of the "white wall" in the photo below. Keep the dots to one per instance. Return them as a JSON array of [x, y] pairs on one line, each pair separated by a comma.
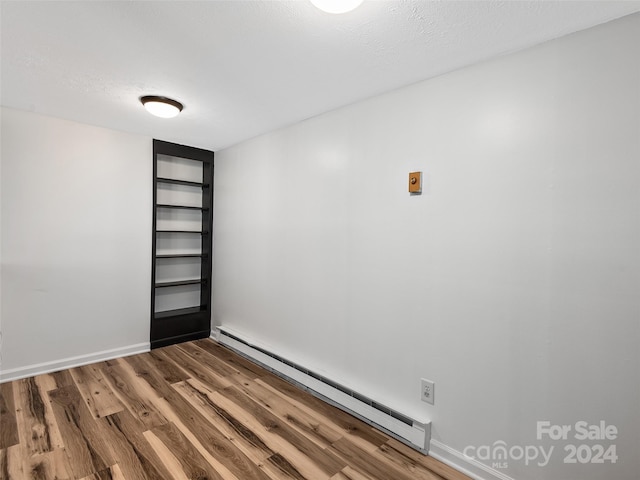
[[76, 242], [513, 281]]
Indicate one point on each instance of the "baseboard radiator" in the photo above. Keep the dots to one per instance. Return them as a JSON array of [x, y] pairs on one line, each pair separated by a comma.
[[407, 430]]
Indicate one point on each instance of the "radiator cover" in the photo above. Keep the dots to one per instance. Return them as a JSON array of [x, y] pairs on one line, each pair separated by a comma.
[[405, 429]]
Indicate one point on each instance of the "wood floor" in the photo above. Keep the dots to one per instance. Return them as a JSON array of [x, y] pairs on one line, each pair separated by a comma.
[[189, 411]]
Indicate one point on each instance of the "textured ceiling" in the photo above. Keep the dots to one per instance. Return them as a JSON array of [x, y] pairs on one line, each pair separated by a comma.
[[243, 68]]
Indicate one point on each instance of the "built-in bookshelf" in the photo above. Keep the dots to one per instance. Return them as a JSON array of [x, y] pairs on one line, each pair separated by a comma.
[[181, 243]]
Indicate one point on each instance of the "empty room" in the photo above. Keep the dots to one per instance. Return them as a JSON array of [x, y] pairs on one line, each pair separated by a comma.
[[320, 240]]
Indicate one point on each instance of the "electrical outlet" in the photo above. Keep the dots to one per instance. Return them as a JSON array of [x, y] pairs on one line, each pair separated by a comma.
[[427, 390]]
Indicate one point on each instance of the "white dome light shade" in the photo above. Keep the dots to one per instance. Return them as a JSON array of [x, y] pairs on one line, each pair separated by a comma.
[[336, 6], [161, 106]]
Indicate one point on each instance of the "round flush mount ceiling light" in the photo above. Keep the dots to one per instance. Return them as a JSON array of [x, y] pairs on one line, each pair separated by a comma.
[[161, 106], [336, 6]]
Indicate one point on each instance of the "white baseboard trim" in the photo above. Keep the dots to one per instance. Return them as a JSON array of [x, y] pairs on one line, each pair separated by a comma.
[[215, 334], [70, 362], [464, 464]]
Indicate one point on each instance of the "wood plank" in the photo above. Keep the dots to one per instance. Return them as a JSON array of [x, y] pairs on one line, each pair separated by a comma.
[[192, 463], [243, 437], [136, 458], [214, 441], [46, 383], [284, 469], [313, 427], [62, 378], [394, 448], [208, 360], [293, 440], [95, 391], [84, 441], [52, 465], [414, 469], [111, 473], [171, 415], [169, 460], [12, 463], [363, 435], [31, 416], [349, 473], [133, 392], [244, 366], [8, 422], [146, 370], [171, 372], [367, 463], [194, 369]]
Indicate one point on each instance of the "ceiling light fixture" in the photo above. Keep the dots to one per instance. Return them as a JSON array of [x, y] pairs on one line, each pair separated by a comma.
[[336, 6], [161, 106]]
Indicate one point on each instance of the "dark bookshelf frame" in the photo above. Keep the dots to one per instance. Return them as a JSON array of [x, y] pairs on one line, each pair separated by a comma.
[[190, 323]]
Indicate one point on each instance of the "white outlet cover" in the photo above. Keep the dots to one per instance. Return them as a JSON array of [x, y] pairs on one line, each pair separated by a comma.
[[427, 391]]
